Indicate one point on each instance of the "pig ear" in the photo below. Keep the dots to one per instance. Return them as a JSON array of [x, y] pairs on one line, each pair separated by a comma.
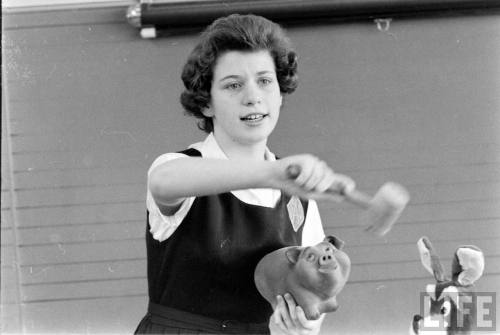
[[293, 254], [337, 242], [468, 265]]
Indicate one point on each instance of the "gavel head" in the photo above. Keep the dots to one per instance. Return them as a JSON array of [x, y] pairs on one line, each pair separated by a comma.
[[386, 207], [312, 275]]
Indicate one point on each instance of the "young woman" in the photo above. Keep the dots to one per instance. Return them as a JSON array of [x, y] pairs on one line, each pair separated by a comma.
[[215, 209]]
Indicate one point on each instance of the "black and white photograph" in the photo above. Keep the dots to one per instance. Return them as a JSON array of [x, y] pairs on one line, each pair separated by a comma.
[[282, 167]]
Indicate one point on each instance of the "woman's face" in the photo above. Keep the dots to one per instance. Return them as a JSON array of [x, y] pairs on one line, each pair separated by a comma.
[[245, 97]]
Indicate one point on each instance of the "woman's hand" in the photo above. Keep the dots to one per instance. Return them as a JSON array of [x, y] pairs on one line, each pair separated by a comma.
[[308, 177], [290, 319]]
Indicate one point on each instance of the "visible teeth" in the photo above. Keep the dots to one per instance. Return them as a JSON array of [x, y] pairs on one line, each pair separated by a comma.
[[253, 117]]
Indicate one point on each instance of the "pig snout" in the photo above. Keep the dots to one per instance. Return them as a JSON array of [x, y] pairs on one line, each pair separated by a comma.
[[327, 259]]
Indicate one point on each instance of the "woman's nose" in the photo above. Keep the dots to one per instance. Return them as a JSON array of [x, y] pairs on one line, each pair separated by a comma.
[[251, 95]]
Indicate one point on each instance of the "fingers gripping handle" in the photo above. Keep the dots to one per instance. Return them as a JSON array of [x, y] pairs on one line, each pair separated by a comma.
[[382, 210], [354, 196]]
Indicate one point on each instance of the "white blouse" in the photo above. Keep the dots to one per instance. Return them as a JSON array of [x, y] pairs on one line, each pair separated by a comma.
[[163, 226]]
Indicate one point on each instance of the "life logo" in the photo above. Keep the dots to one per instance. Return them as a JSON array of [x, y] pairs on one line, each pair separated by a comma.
[[451, 305], [454, 310]]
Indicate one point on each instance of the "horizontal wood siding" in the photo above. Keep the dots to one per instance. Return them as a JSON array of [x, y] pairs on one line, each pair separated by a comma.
[[10, 289], [89, 105]]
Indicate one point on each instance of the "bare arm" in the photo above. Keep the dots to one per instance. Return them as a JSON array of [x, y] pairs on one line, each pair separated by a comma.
[[183, 177], [177, 179]]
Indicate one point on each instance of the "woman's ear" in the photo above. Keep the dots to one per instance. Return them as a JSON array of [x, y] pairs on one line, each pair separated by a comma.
[[208, 112]]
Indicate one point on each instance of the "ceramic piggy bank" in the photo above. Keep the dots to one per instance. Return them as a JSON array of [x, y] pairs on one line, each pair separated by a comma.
[[312, 275]]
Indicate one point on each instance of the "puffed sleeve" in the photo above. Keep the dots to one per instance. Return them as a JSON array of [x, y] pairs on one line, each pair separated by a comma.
[[313, 232], [163, 226]]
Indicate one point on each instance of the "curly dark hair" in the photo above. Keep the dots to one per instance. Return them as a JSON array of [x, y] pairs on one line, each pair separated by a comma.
[[234, 33]]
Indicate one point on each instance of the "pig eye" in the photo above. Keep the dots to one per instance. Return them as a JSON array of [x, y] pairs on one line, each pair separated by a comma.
[[310, 258]]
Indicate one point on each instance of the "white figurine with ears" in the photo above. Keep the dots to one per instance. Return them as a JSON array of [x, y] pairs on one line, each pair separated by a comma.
[[451, 307]]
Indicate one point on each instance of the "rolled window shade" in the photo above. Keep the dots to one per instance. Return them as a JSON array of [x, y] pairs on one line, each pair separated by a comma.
[[162, 14]]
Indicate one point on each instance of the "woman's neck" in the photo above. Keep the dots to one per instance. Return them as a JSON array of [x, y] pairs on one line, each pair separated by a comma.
[[236, 150]]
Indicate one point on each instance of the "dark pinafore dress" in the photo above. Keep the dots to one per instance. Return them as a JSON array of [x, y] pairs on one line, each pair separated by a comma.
[[200, 279]]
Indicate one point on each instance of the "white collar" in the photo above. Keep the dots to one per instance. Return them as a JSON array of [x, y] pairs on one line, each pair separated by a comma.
[[266, 197], [209, 148]]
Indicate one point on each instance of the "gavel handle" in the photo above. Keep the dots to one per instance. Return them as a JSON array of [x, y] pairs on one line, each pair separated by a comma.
[[358, 198], [355, 197]]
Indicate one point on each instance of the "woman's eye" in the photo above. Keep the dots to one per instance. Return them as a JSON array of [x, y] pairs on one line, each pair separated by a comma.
[[265, 81], [233, 86]]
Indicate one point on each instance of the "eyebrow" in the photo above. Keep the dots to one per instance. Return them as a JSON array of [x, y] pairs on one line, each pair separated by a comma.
[[235, 76], [231, 76]]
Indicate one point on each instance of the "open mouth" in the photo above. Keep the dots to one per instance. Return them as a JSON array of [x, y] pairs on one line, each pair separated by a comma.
[[253, 117], [328, 268]]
